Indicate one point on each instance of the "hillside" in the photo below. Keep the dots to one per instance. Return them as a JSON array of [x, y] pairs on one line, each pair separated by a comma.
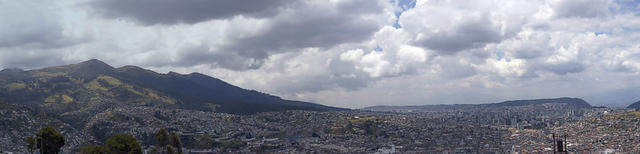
[[635, 105], [22, 122], [78, 86], [575, 102], [570, 102]]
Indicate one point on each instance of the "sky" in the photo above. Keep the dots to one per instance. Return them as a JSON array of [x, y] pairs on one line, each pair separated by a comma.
[[349, 53]]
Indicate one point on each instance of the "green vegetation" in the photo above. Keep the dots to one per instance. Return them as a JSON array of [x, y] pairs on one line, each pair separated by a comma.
[[213, 107], [116, 144], [78, 87], [371, 127], [49, 140], [61, 98], [175, 142], [168, 144], [113, 87], [162, 137], [94, 149], [121, 143], [31, 144], [16, 86]]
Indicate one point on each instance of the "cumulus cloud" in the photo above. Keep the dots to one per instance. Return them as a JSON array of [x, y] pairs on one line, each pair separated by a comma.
[[450, 27], [350, 53], [245, 42], [406, 60], [316, 24]]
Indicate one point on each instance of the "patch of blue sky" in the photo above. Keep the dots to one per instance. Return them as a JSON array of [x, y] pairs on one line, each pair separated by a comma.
[[378, 48], [499, 54], [402, 5], [627, 6]]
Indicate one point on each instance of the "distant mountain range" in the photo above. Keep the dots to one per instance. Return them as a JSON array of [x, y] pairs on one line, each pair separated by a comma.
[[620, 98], [572, 102], [77, 86], [635, 105]]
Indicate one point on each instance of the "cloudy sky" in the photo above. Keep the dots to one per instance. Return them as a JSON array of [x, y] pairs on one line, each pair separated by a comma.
[[349, 53]]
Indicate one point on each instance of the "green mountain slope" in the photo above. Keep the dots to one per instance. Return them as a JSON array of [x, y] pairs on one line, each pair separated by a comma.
[[635, 105], [78, 86]]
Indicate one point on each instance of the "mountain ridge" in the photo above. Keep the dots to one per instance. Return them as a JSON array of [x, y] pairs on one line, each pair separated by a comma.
[[635, 105], [574, 102], [74, 86]]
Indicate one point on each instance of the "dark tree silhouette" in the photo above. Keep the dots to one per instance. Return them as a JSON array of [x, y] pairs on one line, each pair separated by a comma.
[[49, 140], [122, 143], [31, 144], [162, 137], [175, 142], [94, 149]]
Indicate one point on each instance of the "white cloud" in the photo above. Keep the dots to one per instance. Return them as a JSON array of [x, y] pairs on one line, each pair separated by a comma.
[[509, 68], [450, 27], [347, 53]]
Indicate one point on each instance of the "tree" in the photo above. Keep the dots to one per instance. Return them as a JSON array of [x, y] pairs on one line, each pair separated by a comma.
[[371, 127], [162, 138], [49, 140], [155, 149], [122, 143], [94, 149], [31, 144], [175, 142], [170, 149], [169, 143]]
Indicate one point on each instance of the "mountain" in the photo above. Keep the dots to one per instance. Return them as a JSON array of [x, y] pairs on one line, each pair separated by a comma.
[[615, 97], [575, 102], [18, 122], [11, 70], [80, 86], [635, 105], [571, 102]]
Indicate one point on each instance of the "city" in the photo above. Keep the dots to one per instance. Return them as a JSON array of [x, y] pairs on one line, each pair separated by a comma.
[[521, 129], [319, 76]]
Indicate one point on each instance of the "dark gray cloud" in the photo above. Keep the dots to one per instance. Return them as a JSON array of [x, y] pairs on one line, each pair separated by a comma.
[[467, 35], [30, 25], [185, 11], [307, 25], [312, 31], [36, 35], [31, 59], [581, 8], [289, 26], [564, 68], [310, 27]]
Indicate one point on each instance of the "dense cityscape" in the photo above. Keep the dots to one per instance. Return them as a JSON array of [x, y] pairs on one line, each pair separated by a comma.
[[522, 129], [319, 76]]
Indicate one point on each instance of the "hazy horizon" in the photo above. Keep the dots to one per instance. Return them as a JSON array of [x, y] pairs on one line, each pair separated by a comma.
[[349, 53]]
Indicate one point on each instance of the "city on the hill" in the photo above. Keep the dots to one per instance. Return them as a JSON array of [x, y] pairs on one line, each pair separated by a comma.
[[529, 128], [320, 76]]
